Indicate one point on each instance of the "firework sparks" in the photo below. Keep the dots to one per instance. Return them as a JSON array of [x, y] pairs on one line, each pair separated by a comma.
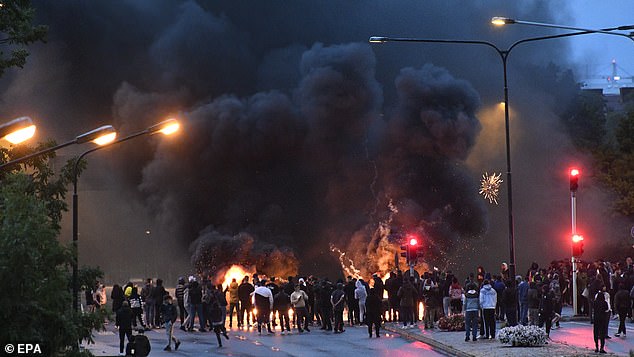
[[348, 267], [490, 186]]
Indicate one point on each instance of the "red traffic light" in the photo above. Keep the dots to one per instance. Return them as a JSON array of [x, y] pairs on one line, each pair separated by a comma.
[[577, 238], [574, 179], [577, 245], [413, 241]]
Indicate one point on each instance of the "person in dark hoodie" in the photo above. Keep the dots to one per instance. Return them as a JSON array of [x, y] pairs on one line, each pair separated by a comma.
[[499, 287], [488, 302], [407, 294], [245, 289], [124, 321], [546, 306], [373, 312], [509, 303], [532, 299], [196, 296], [622, 304], [601, 314], [471, 303], [522, 295], [353, 304], [338, 301], [117, 297], [169, 313], [281, 304]]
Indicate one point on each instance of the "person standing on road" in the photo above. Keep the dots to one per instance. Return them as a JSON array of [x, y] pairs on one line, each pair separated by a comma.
[[234, 302], [135, 305], [117, 297], [196, 297], [407, 294], [546, 308], [299, 299], [352, 302], [147, 297], [180, 298], [360, 295], [599, 318], [374, 312], [124, 321], [281, 304], [622, 303], [168, 312], [471, 303], [532, 297], [158, 294], [338, 301], [509, 303], [245, 290], [488, 302], [522, 295], [264, 304]]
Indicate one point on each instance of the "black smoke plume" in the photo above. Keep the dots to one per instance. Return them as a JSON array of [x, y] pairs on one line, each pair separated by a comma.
[[295, 134]]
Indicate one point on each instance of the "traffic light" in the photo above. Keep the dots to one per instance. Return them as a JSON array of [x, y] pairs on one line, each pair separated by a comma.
[[405, 252], [577, 245], [413, 246], [574, 180]]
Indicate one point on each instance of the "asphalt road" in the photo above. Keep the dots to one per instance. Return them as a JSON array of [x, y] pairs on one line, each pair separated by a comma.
[[353, 342]]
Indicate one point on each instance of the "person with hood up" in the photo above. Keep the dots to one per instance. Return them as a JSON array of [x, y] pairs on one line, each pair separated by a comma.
[[264, 304], [234, 302], [601, 314], [622, 304], [361, 295], [471, 304], [374, 311], [407, 293], [488, 302]]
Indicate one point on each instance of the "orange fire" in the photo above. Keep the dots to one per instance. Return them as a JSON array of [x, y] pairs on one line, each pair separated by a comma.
[[236, 272]]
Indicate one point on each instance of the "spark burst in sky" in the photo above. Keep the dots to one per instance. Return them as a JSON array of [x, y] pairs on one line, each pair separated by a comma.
[[490, 186]]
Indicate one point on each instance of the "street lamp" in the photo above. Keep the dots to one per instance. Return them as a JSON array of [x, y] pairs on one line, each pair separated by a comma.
[[99, 136], [503, 53], [17, 130], [501, 21], [166, 127]]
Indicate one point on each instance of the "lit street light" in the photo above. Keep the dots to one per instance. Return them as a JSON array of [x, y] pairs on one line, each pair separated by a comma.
[[503, 53], [166, 127], [17, 130], [99, 136], [501, 21]]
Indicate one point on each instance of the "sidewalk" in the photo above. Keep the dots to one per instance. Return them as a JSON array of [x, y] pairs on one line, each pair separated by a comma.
[[573, 339]]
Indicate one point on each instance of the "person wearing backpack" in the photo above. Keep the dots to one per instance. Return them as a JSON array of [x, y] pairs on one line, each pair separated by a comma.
[[135, 305], [471, 303], [139, 345]]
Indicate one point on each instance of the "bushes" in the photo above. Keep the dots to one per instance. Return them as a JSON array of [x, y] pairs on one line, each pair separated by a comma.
[[523, 336], [452, 323]]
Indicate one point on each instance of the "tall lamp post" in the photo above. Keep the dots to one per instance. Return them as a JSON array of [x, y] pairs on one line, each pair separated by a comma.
[[577, 240], [99, 136], [503, 53], [166, 127]]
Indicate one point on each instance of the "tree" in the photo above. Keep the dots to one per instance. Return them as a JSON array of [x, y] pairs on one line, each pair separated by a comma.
[[34, 266], [16, 26]]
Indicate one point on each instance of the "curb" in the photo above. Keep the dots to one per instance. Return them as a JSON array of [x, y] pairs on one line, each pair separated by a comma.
[[430, 341]]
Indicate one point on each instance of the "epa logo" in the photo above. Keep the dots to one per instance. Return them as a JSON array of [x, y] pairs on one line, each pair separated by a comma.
[[23, 348]]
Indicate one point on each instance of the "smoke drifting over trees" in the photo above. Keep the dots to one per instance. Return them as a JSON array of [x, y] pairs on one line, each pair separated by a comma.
[[296, 133]]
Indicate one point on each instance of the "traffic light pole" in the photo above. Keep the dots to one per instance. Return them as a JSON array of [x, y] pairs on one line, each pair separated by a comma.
[[573, 208]]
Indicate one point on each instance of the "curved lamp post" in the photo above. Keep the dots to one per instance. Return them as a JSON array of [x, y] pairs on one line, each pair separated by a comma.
[[503, 53], [99, 136], [501, 21], [166, 127], [17, 130]]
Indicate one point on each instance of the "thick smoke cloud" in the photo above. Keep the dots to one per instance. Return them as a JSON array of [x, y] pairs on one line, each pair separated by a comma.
[[296, 133]]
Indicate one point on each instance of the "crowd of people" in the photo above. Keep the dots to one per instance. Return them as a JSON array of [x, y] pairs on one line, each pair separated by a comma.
[[536, 298]]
